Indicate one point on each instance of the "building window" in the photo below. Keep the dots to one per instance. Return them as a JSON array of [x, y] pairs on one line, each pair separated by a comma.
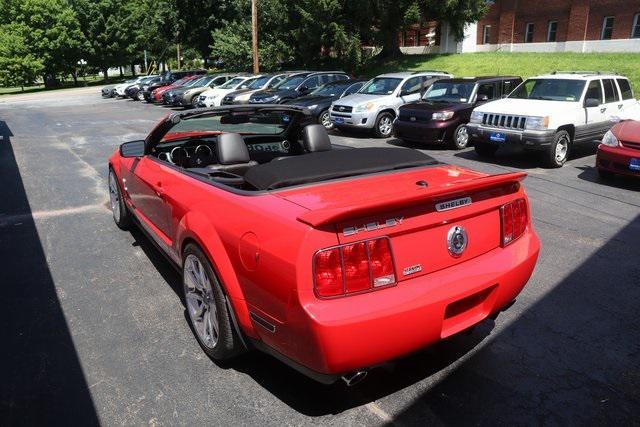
[[635, 30], [486, 34], [528, 35], [552, 31], [607, 28]]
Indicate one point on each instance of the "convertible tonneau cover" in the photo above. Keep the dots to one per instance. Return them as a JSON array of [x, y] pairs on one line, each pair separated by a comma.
[[322, 166]]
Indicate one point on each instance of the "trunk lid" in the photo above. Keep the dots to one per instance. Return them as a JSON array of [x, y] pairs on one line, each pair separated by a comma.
[[416, 217]]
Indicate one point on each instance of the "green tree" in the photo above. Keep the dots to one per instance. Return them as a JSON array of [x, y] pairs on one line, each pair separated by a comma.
[[18, 66], [51, 32]]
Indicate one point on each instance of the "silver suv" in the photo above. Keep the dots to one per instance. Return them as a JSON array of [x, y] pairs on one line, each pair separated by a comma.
[[375, 105]]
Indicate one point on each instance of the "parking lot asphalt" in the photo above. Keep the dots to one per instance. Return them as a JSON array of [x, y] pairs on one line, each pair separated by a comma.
[[94, 331]]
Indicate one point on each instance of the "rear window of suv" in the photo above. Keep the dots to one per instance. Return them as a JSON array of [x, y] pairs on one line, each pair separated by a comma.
[[625, 88], [566, 90]]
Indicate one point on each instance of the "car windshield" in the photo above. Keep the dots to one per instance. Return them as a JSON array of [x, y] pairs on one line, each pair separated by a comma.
[[255, 122], [331, 89], [566, 90], [181, 81], [291, 83], [449, 92], [232, 83], [381, 86], [194, 82], [259, 82]]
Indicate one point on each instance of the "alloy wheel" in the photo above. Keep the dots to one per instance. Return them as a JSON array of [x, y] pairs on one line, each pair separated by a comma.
[[114, 196], [200, 302], [462, 137], [385, 126], [325, 120], [562, 148]]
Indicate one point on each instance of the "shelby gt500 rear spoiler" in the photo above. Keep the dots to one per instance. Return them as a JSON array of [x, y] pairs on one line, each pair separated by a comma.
[[419, 193]]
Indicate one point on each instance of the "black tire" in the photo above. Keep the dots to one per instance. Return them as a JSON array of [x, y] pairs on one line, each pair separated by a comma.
[[228, 344], [194, 101], [604, 174], [384, 125], [485, 150], [460, 137], [559, 150], [325, 120], [121, 214]]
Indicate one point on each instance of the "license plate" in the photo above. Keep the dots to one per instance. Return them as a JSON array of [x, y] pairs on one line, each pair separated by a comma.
[[634, 165], [498, 137], [338, 120]]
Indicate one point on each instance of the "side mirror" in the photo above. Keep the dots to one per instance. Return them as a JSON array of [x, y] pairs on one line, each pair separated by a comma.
[[403, 93], [132, 149], [591, 102]]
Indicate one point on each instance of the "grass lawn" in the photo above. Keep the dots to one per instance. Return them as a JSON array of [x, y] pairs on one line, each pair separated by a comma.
[[96, 80], [520, 64]]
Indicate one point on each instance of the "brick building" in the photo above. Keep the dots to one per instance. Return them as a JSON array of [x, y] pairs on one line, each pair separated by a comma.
[[550, 26]]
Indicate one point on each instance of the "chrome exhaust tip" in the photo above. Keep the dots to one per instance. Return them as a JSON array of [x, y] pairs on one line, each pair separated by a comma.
[[354, 378]]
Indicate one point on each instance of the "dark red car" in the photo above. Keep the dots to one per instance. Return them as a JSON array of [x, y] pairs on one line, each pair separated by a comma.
[[440, 117], [156, 94], [619, 152], [332, 260]]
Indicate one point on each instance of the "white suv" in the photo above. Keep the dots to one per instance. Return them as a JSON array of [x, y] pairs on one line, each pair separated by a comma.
[[550, 113], [375, 105]]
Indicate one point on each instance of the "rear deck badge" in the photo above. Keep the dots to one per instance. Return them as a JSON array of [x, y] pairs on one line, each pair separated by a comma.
[[453, 204]]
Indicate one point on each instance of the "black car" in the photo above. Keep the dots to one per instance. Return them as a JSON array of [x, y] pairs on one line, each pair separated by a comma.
[[445, 109], [166, 78], [319, 101], [296, 86], [133, 91]]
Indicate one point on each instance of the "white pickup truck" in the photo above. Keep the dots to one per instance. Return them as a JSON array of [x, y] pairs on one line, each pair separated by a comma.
[[551, 113]]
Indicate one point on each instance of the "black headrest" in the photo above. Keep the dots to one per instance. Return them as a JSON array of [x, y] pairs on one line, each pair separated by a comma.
[[315, 138], [232, 149]]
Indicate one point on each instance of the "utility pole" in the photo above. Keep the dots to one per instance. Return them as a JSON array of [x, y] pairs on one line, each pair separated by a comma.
[[179, 64], [254, 32]]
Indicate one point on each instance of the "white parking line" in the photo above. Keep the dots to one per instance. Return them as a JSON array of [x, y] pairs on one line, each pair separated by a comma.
[[379, 412], [14, 220]]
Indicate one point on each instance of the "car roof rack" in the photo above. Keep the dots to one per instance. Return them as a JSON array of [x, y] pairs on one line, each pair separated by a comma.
[[430, 71], [586, 73]]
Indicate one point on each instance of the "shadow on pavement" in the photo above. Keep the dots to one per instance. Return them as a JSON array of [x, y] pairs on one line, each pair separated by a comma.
[[41, 378], [571, 358], [517, 158], [590, 174], [314, 399]]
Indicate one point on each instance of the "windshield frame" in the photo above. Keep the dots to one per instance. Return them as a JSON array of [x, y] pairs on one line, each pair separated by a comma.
[[232, 83], [388, 93], [472, 94], [529, 98], [281, 85]]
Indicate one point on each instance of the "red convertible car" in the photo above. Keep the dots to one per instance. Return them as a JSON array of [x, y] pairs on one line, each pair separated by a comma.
[[619, 152], [331, 259]]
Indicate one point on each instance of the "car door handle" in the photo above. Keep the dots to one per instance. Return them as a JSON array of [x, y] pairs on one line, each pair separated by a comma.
[[158, 190], [602, 110], [620, 106]]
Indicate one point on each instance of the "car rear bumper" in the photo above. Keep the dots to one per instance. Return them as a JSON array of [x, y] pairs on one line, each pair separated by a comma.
[[427, 132], [617, 159], [530, 139], [333, 337]]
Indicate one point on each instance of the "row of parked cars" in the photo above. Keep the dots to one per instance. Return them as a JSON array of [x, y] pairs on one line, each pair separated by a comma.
[[549, 114]]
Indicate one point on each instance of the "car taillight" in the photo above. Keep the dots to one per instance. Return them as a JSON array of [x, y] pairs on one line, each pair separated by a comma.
[[514, 218], [353, 268]]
